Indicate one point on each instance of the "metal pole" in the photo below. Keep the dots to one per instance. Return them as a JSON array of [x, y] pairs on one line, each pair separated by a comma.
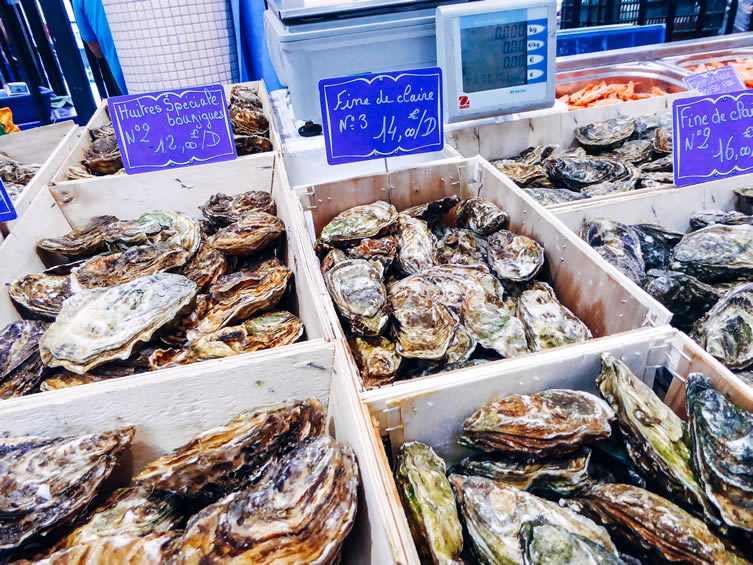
[[44, 49]]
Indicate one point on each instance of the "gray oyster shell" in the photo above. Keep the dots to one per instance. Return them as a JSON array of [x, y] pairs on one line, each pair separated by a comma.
[[480, 216], [603, 136], [461, 247], [535, 155], [551, 422], [722, 447], [716, 254], [513, 257], [618, 244], [546, 544], [636, 151], [453, 283], [358, 292], [432, 212], [686, 297], [657, 244], [359, 222], [608, 187], [549, 324], [416, 245], [82, 241], [429, 503], [552, 196], [41, 295], [725, 331], [663, 141], [223, 210], [20, 363], [522, 174], [377, 360], [656, 180], [706, 218], [662, 165], [171, 228], [100, 325], [48, 482], [578, 173]]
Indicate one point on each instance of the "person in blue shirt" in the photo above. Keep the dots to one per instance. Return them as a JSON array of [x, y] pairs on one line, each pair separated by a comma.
[[95, 31]]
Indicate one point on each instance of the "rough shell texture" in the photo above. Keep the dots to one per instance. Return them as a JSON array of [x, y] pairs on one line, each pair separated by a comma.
[[40, 294], [252, 233], [358, 292], [429, 503], [383, 250], [686, 297], [618, 244], [20, 362], [85, 240], [377, 360], [552, 196], [416, 245], [663, 141], [251, 144], [102, 157], [550, 422], [248, 121], [335, 256], [515, 258], [657, 244], [725, 331], [47, 482], [222, 209], [493, 326], [170, 228], [546, 544], [233, 455], [578, 173], [706, 218], [636, 151], [133, 550], [432, 212], [96, 326], [522, 174], [360, 222], [206, 266], [461, 247], [716, 254], [602, 136], [480, 216], [302, 514]]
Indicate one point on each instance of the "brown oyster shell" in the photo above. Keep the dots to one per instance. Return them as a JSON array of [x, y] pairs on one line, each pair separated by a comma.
[[382, 250], [223, 210], [102, 157], [254, 232], [461, 247], [252, 144], [80, 242], [481, 216], [377, 360], [332, 258], [417, 246], [67, 381], [358, 292], [359, 222], [246, 121], [152, 548], [513, 257], [461, 347], [522, 174], [170, 228], [40, 294], [206, 267], [20, 362]]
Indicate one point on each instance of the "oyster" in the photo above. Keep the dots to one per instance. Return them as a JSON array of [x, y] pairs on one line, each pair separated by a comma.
[[382, 250], [706, 218], [301, 515], [535, 155], [252, 233], [152, 548], [656, 180], [618, 244], [232, 456], [546, 544], [555, 475], [245, 96], [663, 141], [513, 257], [494, 516], [424, 326], [273, 329], [99, 325], [251, 144], [432, 212], [360, 222], [645, 522], [480, 216], [522, 174], [548, 323], [377, 360], [461, 347], [48, 482], [106, 130], [657, 244], [552, 196], [334, 257], [636, 151], [722, 449], [550, 422], [492, 326], [102, 157], [223, 210], [662, 165], [603, 136], [357, 290], [416, 245], [246, 121], [170, 228], [40, 294], [578, 173], [67, 381], [206, 267], [429, 504], [85, 240], [20, 362], [655, 436], [716, 254], [461, 247], [608, 187], [686, 297]]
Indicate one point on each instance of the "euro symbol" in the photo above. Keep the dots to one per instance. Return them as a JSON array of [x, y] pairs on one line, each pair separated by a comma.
[[749, 132]]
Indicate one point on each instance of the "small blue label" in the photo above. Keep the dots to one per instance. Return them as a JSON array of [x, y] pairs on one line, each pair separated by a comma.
[[716, 81], [382, 115], [7, 211]]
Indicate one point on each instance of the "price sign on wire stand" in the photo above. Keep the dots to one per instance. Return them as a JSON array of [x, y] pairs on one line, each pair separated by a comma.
[[7, 211], [382, 115], [713, 137], [172, 128], [716, 81]]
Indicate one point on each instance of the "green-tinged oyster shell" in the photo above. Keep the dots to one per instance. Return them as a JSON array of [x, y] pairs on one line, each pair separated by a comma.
[[618, 244], [377, 360], [48, 482], [171, 228], [657, 244], [82, 241], [480, 216], [550, 422], [655, 436], [41, 295], [429, 504], [359, 222], [546, 544], [416, 245], [152, 548], [461, 247], [513, 257], [685, 296], [301, 514], [494, 515], [722, 448], [21, 367], [603, 136], [716, 254], [726, 330], [492, 326], [233, 455], [358, 292], [548, 323]]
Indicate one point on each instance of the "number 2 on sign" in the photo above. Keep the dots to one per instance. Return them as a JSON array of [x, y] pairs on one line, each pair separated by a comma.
[[391, 130]]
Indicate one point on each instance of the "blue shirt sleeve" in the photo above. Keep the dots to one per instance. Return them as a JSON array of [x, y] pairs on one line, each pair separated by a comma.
[[84, 26]]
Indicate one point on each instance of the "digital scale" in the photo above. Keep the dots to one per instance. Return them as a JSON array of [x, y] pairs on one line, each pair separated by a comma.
[[497, 56]]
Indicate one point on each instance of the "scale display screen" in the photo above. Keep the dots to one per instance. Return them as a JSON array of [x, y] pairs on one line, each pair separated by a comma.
[[494, 56]]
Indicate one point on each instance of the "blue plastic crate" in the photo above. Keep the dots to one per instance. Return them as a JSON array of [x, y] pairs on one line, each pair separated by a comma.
[[595, 39], [23, 107]]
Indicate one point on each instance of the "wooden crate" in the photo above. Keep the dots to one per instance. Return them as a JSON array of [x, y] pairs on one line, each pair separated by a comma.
[[434, 412], [602, 299], [189, 175]]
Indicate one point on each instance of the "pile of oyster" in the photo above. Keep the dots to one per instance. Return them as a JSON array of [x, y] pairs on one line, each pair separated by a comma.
[[704, 277], [618, 155], [419, 296], [15, 175], [562, 476], [162, 290], [266, 487], [249, 123]]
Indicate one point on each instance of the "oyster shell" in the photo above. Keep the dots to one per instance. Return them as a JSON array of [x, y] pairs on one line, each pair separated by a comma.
[[655, 436], [480, 216], [663, 141], [522, 174], [102, 157], [357, 290], [716, 254], [359, 222], [461, 247], [223, 210], [636, 151], [608, 187], [537, 154], [432, 212], [245, 96], [377, 360], [453, 283], [20, 362], [494, 516], [513, 257], [578, 173], [725, 331], [550, 422], [99, 325], [251, 144], [492, 326], [650, 525], [416, 245], [67, 381], [48, 482], [706, 218], [722, 449], [552, 196], [246, 121], [332, 258], [107, 130], [206, 267], [546, 544], [656, 180], [461, 347], [662, 165], [686, 297], [603, 136], [40, 295], [657, 244], [618, 244], [80, 242], [153, 548], [429, 504], [231, 456], [170, 228], [301, 515], [548, 323], [252, 233], [424, 326], [383, 250]]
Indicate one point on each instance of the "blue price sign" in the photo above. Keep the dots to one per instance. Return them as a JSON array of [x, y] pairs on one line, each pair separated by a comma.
[[716, 81], [382, 115], [7, 211], [172, 128], [713, 137]]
